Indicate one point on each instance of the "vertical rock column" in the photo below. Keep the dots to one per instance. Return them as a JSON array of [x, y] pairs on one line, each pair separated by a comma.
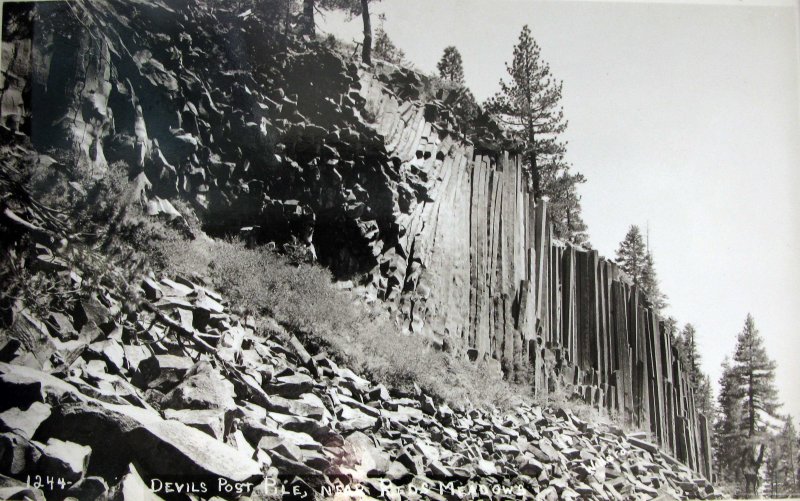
[[72, 87]]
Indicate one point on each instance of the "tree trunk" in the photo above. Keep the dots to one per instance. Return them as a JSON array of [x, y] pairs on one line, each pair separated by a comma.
[[309, 26], [537, 177], [537, 181], [366, 47]]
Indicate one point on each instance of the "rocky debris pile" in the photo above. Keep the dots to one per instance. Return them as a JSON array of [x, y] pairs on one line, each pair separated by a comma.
[[167, 392], [123, 388], [181, 390], [339, 165]]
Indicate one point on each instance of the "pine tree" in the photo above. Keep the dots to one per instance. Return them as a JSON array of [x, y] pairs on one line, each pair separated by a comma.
[[308, 23], [631, 255], [700, 382], [650, 284], [635, 260], [691, 356], [529, 104], [755, 374], [385, 48], [466, 109], [451, 66], [356, 8], [747, 398], [788, 465], [728, 436], [670, 326], [772, 466], [781, 465], [561, 186]]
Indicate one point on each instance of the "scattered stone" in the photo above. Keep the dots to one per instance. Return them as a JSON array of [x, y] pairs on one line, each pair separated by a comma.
[[119, 434], [89, 489], [210, 421], [203, 388], [18, 455], [25, 422], [133, 487], [12, 489], [65, 460]]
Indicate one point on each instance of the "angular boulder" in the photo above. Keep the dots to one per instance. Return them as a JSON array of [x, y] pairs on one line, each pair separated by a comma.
[[66, 460], [203, 388], [14, 489], [25, 421], [120, 434], [18, 455]]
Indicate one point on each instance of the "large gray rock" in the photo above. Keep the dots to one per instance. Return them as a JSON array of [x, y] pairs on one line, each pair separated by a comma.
[[353, 419], [21, 386], [14, 489], [111, 351], [25, 421], [164, 372], [66, 460], [120, 434], [133, 488], [89, 489], [290, 386], [363, 457], [203, 388], [18, 455], [210, 421]]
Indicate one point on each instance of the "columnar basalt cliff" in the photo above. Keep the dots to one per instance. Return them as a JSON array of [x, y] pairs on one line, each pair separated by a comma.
[[478, 267], [282, 141]]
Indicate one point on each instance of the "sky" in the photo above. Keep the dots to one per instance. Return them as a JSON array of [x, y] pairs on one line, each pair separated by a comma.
[[685, 118]]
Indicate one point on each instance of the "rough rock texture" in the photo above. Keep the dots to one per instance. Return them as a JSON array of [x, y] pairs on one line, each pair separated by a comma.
[[477, 267], [320, 431], [282, 141]]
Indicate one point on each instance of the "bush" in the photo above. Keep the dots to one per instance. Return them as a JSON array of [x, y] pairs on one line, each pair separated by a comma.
[[460, 101], [303, 299]]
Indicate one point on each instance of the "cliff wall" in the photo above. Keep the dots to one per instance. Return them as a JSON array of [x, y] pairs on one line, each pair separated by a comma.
[[479, 269], [285, 142]]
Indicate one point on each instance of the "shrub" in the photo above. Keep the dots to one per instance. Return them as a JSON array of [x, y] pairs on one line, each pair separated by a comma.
[[303, 299]]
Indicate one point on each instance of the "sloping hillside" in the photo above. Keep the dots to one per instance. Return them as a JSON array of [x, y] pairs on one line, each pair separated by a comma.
[[147, 123], [174, 391]]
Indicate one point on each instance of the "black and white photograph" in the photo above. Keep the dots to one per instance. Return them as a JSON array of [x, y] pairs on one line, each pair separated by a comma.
[[399, 250]]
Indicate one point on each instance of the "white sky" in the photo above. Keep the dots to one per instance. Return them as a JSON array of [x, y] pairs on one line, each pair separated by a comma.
[[683, 116]]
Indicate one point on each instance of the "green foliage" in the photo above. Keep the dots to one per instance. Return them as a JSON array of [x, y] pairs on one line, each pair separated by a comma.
[[450, 66]]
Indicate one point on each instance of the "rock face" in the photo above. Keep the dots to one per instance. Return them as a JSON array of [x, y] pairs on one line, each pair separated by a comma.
[[288, 143], [478, 267], [328, 430]]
